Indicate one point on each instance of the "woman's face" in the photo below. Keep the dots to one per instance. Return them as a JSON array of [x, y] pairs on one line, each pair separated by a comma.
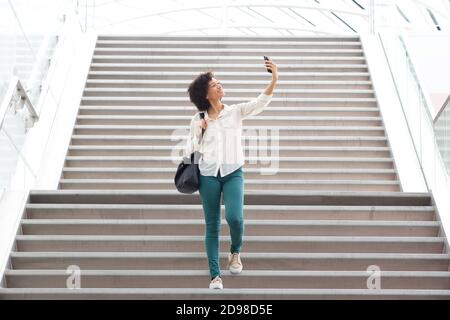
[[215, 90]]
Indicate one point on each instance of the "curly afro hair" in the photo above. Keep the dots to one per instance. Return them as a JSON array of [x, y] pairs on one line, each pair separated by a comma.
[[198, 89]]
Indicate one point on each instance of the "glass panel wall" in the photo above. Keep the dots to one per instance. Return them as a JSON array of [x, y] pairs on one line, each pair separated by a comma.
[[442, 131], [28, 36]]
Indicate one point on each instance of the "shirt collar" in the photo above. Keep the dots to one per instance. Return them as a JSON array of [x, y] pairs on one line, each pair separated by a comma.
[[225, 108]]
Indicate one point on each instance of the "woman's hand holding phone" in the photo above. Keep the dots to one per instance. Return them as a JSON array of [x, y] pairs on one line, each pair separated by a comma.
[[271, 67]]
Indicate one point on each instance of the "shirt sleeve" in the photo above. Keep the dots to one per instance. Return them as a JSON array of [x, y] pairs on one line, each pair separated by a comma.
[[254, 106], [193, 142]]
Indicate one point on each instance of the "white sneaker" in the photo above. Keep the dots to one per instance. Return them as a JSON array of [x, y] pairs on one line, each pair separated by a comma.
[[216, 283], [234, 262]]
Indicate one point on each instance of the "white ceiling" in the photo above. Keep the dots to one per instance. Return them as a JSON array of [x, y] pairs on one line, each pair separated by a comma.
[[261, 17]]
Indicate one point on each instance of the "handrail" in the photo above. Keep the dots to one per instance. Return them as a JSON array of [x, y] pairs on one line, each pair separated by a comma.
[[40, 67], [446, 103], [16, 88]]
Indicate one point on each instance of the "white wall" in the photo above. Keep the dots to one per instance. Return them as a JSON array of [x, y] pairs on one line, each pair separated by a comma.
[[430, 54]]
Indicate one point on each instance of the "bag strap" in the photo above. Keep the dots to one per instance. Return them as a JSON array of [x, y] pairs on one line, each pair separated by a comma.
[[202, 116]]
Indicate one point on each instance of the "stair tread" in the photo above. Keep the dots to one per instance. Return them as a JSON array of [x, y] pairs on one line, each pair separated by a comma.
[[191, 108], [249, 170], [229, 73], [321, 159], [248, 273], [287, 127], [172, 147], [248, 222], [225, 41], [253, 118], [256, 50], [117, 36], [247, 255], [182, 64], [343, 239], [197, 293], [247, 181], [231, 100], [375, 208], [312, 194], [220, 57]]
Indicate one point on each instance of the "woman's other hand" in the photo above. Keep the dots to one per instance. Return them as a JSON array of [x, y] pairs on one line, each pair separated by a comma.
[[202, 124]]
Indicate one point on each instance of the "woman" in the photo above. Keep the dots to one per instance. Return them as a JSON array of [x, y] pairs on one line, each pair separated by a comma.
[[221, 163]]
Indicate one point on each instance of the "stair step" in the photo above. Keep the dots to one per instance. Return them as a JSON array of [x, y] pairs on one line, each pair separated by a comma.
[[173, 243], [251, 173], [252, 227], [253, 261], [206, 44], [186, 211], [190, 111], [158, 140], [219, 67], [249, 84], [256, 184], [181, 64], [250, 279], [230, 51], [175, 92], [247, 129], [284, 151], [177, 101], [229, 294], [229, 75], [260, 197], [244, 39], [252, 162], [256, 120], [224, 59]]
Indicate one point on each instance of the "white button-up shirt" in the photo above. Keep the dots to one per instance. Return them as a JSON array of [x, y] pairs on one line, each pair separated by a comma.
[[221, 146]]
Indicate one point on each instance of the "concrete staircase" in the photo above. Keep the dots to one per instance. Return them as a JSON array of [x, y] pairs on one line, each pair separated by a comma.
[[333, 209]]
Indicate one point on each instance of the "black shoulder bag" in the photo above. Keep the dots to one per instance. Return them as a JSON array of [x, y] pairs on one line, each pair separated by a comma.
[[187, 177]]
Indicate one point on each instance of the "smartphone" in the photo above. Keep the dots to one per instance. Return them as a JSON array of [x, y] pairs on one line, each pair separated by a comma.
[[267, 58]]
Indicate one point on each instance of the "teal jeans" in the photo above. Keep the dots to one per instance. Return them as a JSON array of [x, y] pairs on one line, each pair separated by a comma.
[[210, 189]]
